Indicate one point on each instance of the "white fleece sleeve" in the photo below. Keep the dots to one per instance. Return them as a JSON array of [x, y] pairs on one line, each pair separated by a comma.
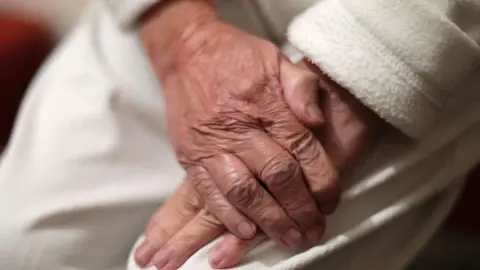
[[403, 59], [127, 12]]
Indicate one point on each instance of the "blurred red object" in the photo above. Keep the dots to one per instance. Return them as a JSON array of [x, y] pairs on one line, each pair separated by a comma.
[[24, 44]]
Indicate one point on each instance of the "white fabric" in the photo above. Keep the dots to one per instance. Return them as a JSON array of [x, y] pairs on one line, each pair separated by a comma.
[[89, 162], [244, 14], [127, 12], [404, 59]]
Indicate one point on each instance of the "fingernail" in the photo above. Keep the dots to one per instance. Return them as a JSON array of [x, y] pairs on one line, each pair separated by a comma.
[[292, 238], [216, 256], [161, 258], [315, 235], [314, 112], [246, 230], [143, 254]]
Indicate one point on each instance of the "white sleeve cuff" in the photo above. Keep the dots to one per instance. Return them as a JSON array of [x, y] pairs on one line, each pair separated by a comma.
[[127, 12], [375, 67]]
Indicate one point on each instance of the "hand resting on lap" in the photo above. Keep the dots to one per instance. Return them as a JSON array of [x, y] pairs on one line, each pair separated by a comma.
[[183, 225], [236, 112]]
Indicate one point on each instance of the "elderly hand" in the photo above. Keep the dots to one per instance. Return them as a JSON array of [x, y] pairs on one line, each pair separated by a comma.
[[248, 155], [183, 225]]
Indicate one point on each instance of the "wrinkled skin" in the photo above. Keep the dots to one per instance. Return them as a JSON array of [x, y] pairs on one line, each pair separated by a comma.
[[183, 225], [238, 128]]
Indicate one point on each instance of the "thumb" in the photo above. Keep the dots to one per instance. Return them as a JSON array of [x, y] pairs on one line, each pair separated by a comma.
[[300, 87]]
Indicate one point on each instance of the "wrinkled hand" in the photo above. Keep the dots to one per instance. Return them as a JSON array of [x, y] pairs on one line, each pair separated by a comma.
[[245, 151], [349, 127]]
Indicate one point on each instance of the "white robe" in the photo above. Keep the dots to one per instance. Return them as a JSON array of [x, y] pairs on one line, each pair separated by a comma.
[[89, 160]]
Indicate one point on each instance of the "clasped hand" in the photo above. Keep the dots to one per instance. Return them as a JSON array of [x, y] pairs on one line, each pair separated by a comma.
[[238, 116]]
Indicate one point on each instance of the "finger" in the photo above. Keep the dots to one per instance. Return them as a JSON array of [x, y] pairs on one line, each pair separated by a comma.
[[283, 177], [201, 230], [344, 133], [218, 205], [244, 192], [300, 89], [321, 175], [180, 209], [317, 167], [230, 250]]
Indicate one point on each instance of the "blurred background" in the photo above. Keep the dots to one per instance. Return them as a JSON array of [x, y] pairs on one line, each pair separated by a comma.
[[57, 15], [30, 29]]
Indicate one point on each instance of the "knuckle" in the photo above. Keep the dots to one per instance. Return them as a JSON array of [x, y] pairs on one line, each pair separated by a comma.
[[212, 198], [243, 191], [207, 189], [327, 172], [197, 174], [210, 221], [201, 181], [280, 171], [312, 160], [305, 148]]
